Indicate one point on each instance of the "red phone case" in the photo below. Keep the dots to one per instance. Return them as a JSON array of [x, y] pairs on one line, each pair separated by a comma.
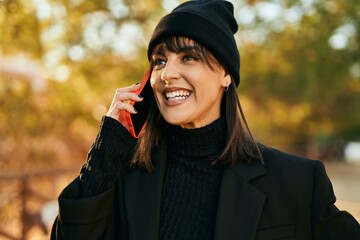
[[129, 117]]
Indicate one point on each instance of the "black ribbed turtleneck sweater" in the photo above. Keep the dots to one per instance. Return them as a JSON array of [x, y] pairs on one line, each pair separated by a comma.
[[191, 185]]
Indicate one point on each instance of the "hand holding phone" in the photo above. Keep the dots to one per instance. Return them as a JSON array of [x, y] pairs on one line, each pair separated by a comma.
[[129, 109], [136, 121]]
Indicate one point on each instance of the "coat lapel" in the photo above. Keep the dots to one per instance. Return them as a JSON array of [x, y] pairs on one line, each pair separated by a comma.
[[240, 204], [142, 199]]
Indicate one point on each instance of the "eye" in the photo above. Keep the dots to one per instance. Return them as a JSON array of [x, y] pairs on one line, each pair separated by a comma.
[[187, 58], [159, 62]]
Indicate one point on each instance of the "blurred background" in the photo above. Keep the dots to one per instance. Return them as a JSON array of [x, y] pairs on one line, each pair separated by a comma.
[[61, 61]]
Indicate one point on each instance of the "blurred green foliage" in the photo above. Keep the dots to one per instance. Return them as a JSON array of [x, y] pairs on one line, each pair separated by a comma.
[[61, 61]]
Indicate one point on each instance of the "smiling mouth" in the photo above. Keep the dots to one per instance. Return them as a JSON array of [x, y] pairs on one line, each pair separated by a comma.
[[177, 95]]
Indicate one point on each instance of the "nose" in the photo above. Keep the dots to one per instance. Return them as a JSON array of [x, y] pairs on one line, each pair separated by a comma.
[[170, 71]]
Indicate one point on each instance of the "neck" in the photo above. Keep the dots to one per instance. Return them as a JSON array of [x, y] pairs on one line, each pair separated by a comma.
[[207, 141]]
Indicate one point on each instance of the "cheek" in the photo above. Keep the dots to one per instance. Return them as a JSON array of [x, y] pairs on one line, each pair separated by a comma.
[[155, 85], [155, 78], [209, 87], [152, 80]]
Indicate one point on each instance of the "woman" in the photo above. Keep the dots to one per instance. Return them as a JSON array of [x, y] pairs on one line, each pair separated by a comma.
[[195, 172]]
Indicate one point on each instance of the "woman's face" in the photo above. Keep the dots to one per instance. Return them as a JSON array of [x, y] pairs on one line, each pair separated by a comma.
[[188, 91]]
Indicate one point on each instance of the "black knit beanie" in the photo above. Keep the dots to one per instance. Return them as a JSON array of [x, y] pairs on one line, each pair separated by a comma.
[[211, 23]]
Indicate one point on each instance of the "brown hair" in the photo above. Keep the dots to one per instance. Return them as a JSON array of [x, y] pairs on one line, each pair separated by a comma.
[[240, 144]]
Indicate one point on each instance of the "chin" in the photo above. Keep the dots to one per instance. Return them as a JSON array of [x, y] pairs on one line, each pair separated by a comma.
[[174, 120]]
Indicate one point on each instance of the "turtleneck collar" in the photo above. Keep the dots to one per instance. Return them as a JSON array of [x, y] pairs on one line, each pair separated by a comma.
[[205, 142]]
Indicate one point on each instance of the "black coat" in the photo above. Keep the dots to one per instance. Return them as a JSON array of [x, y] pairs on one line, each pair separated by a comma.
[[287, 197]]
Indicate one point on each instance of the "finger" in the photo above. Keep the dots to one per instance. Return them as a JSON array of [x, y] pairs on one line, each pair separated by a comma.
[[123, 106], [129, 96], [122, 101], [124, 97], [120, 107], [131, 88], [126, 106]]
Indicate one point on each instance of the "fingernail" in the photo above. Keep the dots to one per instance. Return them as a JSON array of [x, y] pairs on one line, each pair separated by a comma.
[[136, 111], [140, 96]]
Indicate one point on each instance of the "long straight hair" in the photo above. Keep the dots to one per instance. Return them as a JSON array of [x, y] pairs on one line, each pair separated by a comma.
[[240, 144]]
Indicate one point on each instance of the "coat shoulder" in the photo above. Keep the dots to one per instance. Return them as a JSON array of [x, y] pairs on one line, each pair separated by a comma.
[[289, 166], [278, 157]]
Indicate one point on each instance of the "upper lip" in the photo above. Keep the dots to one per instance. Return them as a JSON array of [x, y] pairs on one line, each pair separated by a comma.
[[173, 89]]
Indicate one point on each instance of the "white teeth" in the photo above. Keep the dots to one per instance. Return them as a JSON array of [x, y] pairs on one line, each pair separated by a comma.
[[177, 95]]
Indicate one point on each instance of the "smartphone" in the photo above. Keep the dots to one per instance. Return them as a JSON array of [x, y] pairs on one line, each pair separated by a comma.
[[136, 121]]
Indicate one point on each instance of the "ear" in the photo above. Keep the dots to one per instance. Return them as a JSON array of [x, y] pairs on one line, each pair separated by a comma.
[[226, 80]]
